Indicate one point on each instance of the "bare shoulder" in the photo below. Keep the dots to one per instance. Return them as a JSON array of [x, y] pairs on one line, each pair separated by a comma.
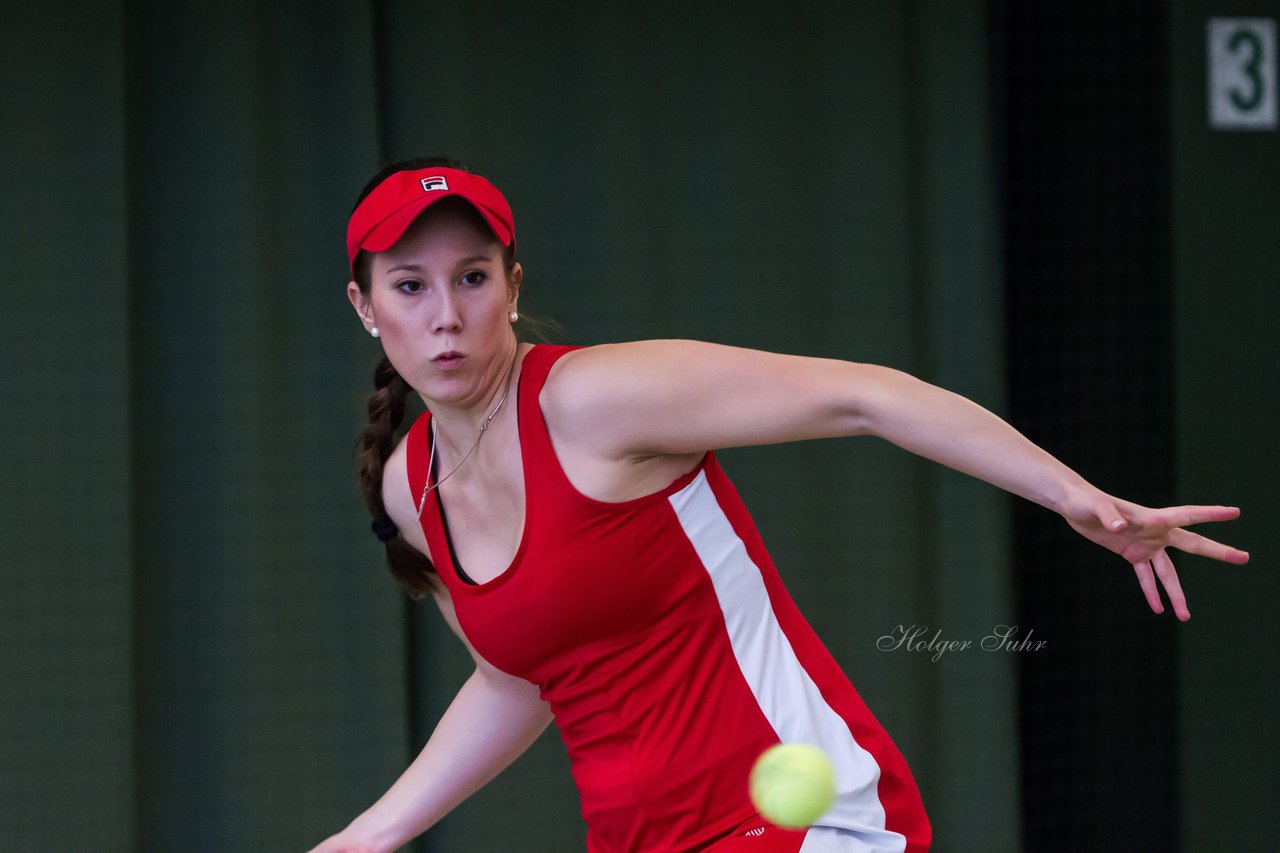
[[398, 501], [582, 370], [585, 401], [589, 390], [585, 378], [669, 397]]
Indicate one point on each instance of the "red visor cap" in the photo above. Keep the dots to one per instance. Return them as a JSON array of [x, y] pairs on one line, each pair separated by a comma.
[[387, 212]]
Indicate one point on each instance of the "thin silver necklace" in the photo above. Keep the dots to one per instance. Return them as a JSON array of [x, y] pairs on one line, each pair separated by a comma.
[[429, 487]]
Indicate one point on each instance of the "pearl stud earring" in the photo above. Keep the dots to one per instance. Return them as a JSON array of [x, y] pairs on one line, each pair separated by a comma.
[[513, 316], [373, 330]]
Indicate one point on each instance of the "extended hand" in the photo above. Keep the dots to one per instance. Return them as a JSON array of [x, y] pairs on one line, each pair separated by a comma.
[[342, 843], [1142, 535]]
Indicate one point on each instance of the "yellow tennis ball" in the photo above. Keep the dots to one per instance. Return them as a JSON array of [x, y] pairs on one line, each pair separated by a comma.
[[793, 784]]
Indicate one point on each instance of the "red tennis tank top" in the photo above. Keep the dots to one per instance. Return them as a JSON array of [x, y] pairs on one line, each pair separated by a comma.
[[669, 651]]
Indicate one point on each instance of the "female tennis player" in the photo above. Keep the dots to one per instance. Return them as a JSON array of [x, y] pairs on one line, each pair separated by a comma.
[[564, 508]]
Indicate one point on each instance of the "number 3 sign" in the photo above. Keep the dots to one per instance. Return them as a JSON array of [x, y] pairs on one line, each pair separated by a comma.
[[1242, 73]]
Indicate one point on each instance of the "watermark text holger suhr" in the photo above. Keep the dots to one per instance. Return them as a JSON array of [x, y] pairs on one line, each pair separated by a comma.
[[915, 638]]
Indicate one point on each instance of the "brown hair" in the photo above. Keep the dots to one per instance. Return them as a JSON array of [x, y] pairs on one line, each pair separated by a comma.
[[386, 413], [412, 569]]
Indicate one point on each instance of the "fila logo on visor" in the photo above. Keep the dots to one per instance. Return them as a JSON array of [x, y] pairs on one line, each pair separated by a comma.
[[434, 182]]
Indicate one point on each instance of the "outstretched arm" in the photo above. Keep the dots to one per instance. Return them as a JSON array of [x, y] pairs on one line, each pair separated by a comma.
[[494, 718], [955, 431], [673, 397]]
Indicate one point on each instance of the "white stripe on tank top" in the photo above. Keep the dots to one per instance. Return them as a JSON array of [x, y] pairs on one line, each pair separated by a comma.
[[786, 694]]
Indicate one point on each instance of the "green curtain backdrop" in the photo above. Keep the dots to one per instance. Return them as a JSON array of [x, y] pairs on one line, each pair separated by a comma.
[[67, 771], [201, 647]]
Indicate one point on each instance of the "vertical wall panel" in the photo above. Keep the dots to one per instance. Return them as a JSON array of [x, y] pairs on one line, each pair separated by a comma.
[[1084, 151], [66, 712], [959, 278], [269, 659], [1226, 218]]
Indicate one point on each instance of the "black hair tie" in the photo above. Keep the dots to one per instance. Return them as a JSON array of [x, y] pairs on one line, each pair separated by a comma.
[[384, 528]]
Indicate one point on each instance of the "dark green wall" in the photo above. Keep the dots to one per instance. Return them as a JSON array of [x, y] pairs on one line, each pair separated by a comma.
[[1226, 194], [67, 772], [201, 649]]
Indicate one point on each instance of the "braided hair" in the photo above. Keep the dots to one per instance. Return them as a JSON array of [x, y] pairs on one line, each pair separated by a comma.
[[386, 406]]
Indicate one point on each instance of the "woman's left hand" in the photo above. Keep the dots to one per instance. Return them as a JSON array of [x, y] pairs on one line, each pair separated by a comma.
[[1142, 535]]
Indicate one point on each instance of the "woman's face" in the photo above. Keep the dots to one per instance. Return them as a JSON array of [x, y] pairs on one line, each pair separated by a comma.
[[443, 288]]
